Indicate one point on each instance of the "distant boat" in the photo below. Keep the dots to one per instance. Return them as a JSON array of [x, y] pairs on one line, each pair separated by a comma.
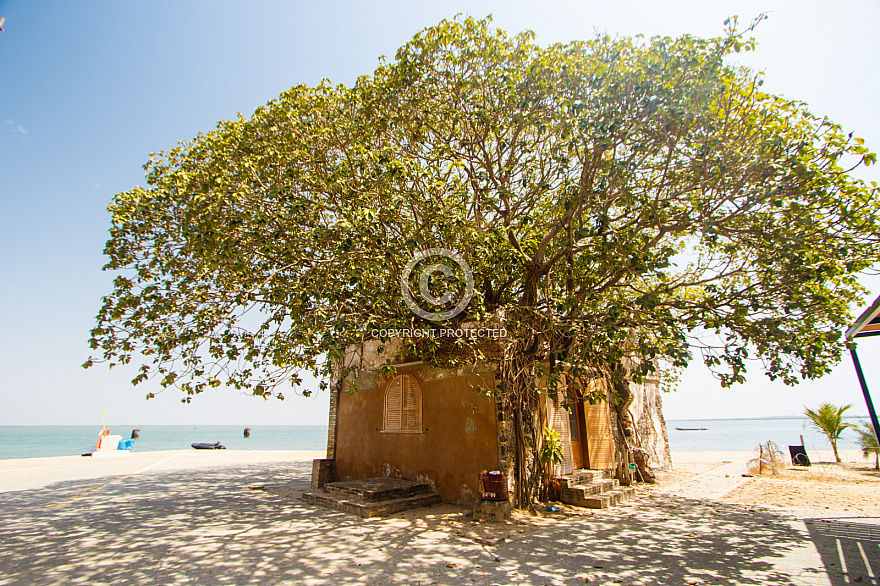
[[692, 428], [206, 446]]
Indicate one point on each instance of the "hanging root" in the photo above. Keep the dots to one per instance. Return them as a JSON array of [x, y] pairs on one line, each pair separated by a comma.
[[520, 398]]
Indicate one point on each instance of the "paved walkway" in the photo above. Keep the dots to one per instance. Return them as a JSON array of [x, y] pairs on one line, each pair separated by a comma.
[[721, 478], [183, 521]]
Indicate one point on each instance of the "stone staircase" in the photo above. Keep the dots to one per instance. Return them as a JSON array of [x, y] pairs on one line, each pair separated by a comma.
[[588, 488], [373, 497]]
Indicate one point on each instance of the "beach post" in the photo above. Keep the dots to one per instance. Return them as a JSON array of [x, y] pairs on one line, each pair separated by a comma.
[[868, 324], [865, 392]]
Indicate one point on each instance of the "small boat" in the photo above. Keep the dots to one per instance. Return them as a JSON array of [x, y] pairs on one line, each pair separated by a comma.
[[111, 445], [691, 428], [206, 446]]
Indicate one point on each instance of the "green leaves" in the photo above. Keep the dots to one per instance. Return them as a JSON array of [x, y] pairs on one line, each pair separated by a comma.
[[828, 419], [612, 196]]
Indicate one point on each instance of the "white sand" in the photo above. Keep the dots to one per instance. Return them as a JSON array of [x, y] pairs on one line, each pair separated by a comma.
[[30, 473], [186, 517]]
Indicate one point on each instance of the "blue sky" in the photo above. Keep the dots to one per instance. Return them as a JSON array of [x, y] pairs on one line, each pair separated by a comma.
[[88, 90]]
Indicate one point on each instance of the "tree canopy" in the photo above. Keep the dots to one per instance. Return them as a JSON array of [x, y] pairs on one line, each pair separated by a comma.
[[612, 196]]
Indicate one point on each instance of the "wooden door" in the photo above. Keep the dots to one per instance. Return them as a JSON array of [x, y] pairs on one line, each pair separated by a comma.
[[599, 435], [576, 426], [557, 420]]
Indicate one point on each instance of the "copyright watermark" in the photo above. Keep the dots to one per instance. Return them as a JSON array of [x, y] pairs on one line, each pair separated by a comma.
[[454, 270], [439, 333]]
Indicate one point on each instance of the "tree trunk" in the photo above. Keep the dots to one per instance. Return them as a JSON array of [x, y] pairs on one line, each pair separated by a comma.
[[520, 398], [834, 447], [626, 398], [530, 286]]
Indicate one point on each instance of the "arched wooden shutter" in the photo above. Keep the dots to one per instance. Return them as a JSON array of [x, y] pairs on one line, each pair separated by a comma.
[[412, 404], [393, 404], [403, 404]]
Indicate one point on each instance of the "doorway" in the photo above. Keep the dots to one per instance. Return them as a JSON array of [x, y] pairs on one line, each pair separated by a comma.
[[577, 430]]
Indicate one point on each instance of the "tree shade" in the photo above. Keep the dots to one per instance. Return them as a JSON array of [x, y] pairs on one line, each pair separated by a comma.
[[613, 197]]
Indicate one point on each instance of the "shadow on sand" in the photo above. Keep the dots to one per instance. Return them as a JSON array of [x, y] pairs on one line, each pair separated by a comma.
[[850, 548], [205, 527]]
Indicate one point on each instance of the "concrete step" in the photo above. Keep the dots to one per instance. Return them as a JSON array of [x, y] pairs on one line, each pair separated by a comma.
[[579, 477], [368, 509], [606, 499], [585, 490], [374, 490]]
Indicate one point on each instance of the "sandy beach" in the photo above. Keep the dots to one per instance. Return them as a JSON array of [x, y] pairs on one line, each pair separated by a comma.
[[188, 517]]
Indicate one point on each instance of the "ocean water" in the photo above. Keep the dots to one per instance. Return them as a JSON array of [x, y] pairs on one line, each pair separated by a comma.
[[718, 434], [41, 441], [746, 434]]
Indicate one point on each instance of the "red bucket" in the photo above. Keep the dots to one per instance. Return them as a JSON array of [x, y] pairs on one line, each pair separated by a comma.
[[493, 486]]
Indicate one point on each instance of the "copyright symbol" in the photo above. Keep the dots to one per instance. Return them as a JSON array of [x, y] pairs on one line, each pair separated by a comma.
[[445, 268]]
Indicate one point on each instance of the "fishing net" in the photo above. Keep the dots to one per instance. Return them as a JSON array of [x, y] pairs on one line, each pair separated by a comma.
[[769, 460]]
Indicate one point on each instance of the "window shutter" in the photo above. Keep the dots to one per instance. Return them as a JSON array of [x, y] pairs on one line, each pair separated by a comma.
[[393, 405], [412, 404], [403, 404]]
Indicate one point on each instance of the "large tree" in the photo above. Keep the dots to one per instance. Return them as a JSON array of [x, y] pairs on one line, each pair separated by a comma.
[[621, 196]]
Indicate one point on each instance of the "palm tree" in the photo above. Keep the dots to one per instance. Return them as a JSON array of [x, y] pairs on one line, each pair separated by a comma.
[[869, 443], [828, 419]]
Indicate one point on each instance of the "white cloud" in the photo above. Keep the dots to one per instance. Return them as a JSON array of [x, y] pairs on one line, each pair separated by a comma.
[[16, 128]]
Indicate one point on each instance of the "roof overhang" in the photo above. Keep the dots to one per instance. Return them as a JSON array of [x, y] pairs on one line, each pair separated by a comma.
[[868, 323]]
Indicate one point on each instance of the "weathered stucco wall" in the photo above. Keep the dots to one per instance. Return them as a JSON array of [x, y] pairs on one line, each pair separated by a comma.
[[647, 413], [459, 438]]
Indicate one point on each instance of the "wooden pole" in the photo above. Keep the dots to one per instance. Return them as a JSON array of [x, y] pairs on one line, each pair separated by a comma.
[[864, 384]]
